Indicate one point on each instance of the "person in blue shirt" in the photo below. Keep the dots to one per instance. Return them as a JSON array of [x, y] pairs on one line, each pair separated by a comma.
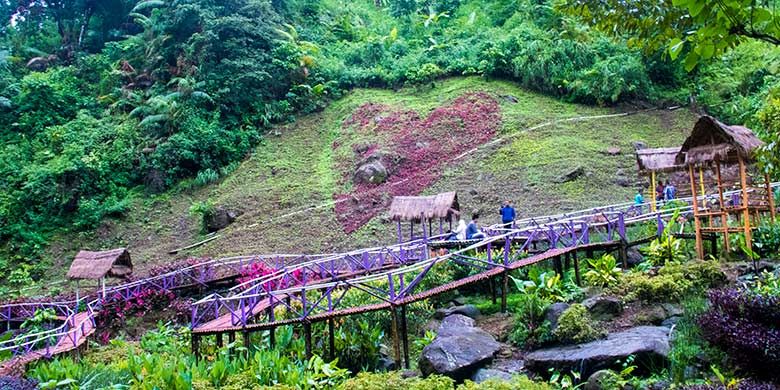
[[670, 191], [639, 200], [507, 214], [472, 230]]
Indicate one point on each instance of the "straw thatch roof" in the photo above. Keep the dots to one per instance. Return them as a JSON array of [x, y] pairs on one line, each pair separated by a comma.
[[413, 208], [95, 265], [658, 159], [711, 140]]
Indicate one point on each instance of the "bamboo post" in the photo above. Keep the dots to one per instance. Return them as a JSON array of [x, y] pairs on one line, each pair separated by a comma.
[[396, 346], [652, 191], [219, 340], [745, 204], [697, 221], [405, 337], [576, 269], [771, 197], [503, 290], [724, 218], [307, 339], [331, 339]]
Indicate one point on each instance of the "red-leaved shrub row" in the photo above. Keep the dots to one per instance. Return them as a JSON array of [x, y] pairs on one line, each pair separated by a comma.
[[415, 150]]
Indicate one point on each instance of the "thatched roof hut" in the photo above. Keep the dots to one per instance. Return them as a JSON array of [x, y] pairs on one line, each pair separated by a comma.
[[657, 160], [412, 208], [711, 140], [97, 265]]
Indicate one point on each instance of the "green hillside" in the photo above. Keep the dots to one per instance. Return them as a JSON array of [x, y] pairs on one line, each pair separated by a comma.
[[294, 170]]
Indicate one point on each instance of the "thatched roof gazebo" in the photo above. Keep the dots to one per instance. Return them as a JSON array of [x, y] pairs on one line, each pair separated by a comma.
[[99, 265], [714, 143], [444, 207]]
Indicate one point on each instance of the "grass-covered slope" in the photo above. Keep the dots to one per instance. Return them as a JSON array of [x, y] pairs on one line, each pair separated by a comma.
[[300, 168]]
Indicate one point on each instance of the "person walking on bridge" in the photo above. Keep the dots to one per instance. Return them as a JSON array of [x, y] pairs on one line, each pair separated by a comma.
[[507, 214]]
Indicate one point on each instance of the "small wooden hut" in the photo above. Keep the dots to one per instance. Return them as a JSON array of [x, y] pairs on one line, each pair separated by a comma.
[[713, 144], [99, 265], [653, 161], [424, 210]]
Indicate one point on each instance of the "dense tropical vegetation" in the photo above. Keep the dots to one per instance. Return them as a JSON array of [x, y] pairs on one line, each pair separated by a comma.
[[103, 103]]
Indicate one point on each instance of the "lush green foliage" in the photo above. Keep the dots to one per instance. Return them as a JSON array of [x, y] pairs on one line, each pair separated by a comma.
[[394, 381], [766, 240], [673, 282], [162, 360], [576, 326], [530, 329], [603, 271]]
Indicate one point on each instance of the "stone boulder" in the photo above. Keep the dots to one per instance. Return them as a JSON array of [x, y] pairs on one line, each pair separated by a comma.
[[603, 307], [639, 145], [633, 257], [650, 345], [371, 171], [220, 218], [601, 380], [553, 312], [458, 350], [470, 311], [484, 374], [571, 175]]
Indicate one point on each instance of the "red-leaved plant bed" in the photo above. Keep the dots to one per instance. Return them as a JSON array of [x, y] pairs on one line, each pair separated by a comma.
[[413, 149]]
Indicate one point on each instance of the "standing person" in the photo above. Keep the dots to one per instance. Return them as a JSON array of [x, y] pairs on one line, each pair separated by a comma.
[[507, 214], [659, 192], [472, 230], [639, 200], [670, 191]]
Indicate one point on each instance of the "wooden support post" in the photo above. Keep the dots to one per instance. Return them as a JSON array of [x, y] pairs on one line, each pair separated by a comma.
[[724, 217], [492, 283], [307, 339], [405, 337], [576, 269], [771, 197], [331, 339], [623, 253], [557, 265], [589, 253], [394, 329], [231, 337], [504, 289], [247, 341], [653, 205], [220, 341], [696, 219], [566, 261], [745, 203], [272, 337], [714, 245], [196, 346]]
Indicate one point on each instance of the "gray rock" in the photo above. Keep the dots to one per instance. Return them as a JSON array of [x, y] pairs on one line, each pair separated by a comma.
[[672, 310], [372, 171], [600, 380], [510, 99], [453, 324], [639, 145], [220, 218], [633, 256], [571, 175], [623, 181], [647, 343], [466, 310], [670, 322], [603, 307], [386, 364], [553, 312], [484, 374], [653, 315], [458, 355]]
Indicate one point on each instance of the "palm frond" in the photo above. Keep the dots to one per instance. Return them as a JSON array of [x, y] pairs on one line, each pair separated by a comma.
[[148, 4]]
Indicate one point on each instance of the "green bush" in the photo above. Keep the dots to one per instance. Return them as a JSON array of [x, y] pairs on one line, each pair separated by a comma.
[[576, 326], [766, 240], [530, 329], [604, 271], [672, 284], [394, 381], [520, 382]]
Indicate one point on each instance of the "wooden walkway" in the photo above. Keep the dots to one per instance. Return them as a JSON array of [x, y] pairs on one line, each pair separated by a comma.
[[82, 328], [228, 327]]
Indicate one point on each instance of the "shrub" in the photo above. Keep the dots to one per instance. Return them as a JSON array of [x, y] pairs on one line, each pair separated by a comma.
[[547, 285], [530, 329], [604, 271], [14, 383], [673, 282], [521, 382], [394, 381], [664, 249], [204, 210], [745, 326], [766, 240], [576, 326]]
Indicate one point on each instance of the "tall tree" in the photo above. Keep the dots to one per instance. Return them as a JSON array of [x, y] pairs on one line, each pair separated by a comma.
[[696, 29]]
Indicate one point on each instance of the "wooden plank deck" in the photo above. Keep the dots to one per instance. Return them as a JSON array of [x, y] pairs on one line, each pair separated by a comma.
[[81, 334]]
